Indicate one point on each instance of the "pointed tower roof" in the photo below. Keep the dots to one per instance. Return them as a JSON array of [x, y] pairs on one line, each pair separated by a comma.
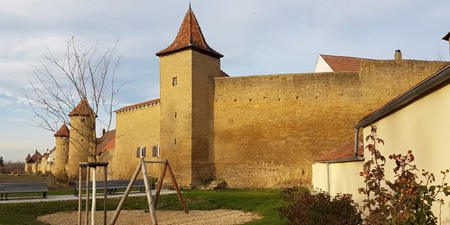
[[28, 158], [63, 131], [82, 109], [190, 36]]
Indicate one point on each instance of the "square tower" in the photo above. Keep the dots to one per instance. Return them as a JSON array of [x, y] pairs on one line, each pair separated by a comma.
[[187, 69]]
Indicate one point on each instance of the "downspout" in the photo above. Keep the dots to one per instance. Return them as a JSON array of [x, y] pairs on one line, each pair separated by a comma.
[[356, 140], [328, 178]]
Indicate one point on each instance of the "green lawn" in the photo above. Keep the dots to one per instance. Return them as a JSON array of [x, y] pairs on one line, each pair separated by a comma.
[[265, 202]]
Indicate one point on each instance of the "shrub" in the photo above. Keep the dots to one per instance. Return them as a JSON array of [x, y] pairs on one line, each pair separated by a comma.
[[301, 207], [407, 199]]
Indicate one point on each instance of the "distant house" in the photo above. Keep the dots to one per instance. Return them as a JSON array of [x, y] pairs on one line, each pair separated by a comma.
[[333, 63], [417, 120]]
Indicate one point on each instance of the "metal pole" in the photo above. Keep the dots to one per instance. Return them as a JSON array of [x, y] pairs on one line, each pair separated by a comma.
[[125, 195], [80, 193], [94, 195], [87, 195], [148, 191]]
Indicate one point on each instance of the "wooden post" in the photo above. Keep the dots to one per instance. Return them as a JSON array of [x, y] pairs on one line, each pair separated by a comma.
[[105, 195], [176, 188], [160, 184], [94, 194], [124, 198], [87, 195], [80, 195], [148, 191]]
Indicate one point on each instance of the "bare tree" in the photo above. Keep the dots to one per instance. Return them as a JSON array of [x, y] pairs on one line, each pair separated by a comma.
[[82, 74]]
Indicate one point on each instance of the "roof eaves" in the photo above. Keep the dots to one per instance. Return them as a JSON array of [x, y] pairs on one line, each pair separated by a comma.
[[351, 159], [138, 105]]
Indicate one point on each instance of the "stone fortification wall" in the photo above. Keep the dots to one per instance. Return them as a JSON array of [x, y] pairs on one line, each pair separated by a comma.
[[80, 143], [385, 79], [62, 154], [135, 127], [106, 156], [268, 129]]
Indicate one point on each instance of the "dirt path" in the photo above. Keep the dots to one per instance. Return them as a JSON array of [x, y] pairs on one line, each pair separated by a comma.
[[137, 217]]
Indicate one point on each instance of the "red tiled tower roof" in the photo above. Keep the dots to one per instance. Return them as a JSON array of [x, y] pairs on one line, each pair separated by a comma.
[[343, 63], [63, 131], [190, 36], [82, 109], [28, 158]]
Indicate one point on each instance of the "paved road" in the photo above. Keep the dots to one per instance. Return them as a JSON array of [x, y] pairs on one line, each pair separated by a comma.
[[70, 197]]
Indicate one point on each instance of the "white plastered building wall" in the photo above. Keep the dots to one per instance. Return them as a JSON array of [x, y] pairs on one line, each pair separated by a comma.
[[321, 66], [338, 178], [423, 126]]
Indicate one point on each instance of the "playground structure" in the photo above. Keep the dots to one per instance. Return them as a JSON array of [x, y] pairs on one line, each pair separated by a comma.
[[151, 204], [142, 166]]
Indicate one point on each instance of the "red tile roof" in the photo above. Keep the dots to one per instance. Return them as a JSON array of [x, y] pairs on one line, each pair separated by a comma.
[[37, 156], [190, 36], [82, 109], [223, 74], [107, 141], [343, 63], [138, 104], [63, 131], [344, 152], [28, 158], [446, 37]]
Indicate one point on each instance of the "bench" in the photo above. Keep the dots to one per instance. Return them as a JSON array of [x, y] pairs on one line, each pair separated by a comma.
[[112, 185], [28, 187]]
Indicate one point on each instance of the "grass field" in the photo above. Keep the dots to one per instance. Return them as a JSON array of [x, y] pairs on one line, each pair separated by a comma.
[[265, 202]]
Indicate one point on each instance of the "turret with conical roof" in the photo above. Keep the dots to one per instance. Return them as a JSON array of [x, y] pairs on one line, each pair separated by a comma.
[[28, 164], [82, 137], [187, 69], [62, 148], [190, 36]]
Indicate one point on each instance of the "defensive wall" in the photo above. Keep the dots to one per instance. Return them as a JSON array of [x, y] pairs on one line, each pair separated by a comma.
[[135, 126], [269, 129]]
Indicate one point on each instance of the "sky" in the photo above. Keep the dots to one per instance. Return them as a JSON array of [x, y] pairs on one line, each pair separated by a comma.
[[256, 37]]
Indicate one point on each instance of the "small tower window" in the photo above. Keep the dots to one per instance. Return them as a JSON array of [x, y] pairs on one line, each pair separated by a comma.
[[175, 81], [175, 114], [175, 141], [82, 120]]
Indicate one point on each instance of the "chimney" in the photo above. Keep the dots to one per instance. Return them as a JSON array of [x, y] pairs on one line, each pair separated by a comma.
[[398, 55], [103, 132]]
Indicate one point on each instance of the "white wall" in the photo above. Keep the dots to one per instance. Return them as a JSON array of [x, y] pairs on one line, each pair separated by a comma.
[[424, 128], [344, 178], [322, 66]]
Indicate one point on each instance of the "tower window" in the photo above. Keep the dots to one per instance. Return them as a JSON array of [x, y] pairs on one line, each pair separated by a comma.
[[156, 151], [175, 114], [175, 141], [175, 81], [82, 120]]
